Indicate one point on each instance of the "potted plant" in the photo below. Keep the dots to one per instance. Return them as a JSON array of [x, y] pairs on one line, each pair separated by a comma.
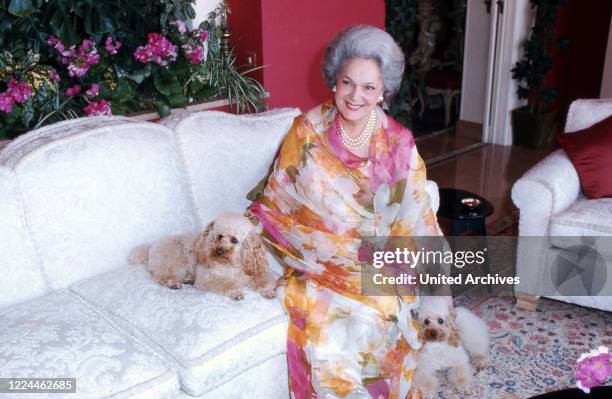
[[534, 123], [65, 59]]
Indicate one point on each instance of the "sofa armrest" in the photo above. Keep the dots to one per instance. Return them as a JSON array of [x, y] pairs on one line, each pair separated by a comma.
[[434, 195], [585, 113], [548, 188]]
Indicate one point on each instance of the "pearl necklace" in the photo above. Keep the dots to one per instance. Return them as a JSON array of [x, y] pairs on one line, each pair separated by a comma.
[[356, 143]]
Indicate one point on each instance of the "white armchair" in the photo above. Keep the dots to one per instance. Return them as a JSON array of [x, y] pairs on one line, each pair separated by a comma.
[[553, 208]]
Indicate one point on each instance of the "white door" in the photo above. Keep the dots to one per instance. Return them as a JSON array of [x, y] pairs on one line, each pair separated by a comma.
[[475, 59], [492, 83], [501, 31]]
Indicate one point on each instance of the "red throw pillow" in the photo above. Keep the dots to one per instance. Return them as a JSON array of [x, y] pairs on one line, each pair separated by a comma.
[[590, 150]]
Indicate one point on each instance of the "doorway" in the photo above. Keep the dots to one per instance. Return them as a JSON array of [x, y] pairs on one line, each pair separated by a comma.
[[432, 35]]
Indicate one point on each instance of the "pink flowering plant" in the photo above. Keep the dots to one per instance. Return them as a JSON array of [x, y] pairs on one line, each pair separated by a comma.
[[593, 368], [27, 92], [172, 62], [89, 71], [83, 58], [97, 108]]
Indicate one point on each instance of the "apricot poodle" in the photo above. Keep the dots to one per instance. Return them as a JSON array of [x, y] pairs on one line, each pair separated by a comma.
[[225, 258], [230, 257]]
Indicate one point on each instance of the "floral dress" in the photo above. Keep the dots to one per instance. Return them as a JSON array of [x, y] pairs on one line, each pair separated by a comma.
[[320, 204]]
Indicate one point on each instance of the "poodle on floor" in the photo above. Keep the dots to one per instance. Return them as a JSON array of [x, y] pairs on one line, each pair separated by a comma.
[[451, 338]]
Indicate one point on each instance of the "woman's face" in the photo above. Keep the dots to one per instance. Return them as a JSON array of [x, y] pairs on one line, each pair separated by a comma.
[[358, 87]]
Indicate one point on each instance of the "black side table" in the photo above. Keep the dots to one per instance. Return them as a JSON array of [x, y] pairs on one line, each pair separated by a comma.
[[463, 218], [466, 220]]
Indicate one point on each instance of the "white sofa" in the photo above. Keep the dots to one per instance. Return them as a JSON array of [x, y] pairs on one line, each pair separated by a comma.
[[75, 197], [555, 217]]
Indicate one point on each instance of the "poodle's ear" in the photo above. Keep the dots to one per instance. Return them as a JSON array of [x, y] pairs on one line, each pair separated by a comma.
[[253, 255], [455, 337], [201, 244], [422, 330]]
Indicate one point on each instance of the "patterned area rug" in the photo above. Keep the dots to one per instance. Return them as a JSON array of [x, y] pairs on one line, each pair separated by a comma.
[[533, 352]]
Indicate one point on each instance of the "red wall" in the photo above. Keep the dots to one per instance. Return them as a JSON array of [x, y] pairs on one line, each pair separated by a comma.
[[245, 29], [578, 73], [291, 36]]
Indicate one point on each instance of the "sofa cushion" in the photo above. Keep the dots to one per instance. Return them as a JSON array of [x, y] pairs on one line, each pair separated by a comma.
[[92, 196], [590, 151], [211, 338], [27, 143], [60, 335], [585, 218], [267, 380], [226, 155], [21, 273]]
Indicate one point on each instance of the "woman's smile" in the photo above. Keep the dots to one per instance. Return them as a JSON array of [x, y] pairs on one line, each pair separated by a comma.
[[353, 107]]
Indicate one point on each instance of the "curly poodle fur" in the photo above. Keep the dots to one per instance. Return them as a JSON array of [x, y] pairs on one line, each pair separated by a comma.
[[451, 337], [231, 257], [171, 260], [224, 258]]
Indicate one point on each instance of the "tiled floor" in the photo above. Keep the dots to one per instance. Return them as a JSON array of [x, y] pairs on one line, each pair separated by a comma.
[[438, 146], [485, 169]]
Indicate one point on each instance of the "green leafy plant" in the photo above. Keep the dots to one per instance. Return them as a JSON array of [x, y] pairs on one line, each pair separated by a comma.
[[402, 24], [29, 107], [531, 70], [68, 58], [27, 23], [244, 93]]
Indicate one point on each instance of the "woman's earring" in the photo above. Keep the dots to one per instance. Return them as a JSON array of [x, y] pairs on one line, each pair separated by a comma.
[[380, 99], [334, 89]]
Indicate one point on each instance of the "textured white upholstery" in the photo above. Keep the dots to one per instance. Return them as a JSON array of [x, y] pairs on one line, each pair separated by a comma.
[[250, 382], [584, 218], [551, 205], [27, 143], [238, 148], [585, 113], [22, 276], [434, 195], [591, 218], [210, 338], [59, 335], [553, 183], [93, 196]]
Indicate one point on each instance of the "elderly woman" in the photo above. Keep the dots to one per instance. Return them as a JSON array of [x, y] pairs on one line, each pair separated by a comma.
[[345, 172]]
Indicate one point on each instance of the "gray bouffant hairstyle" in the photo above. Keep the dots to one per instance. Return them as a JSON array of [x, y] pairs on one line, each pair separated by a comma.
[[364, 41]]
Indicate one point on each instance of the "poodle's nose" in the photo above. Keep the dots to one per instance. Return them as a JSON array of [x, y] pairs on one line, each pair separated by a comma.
[[219, 252], [433, 333]]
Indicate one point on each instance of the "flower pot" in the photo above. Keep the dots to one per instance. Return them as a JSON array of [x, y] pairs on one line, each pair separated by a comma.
[[216, 105], [533, 130]]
